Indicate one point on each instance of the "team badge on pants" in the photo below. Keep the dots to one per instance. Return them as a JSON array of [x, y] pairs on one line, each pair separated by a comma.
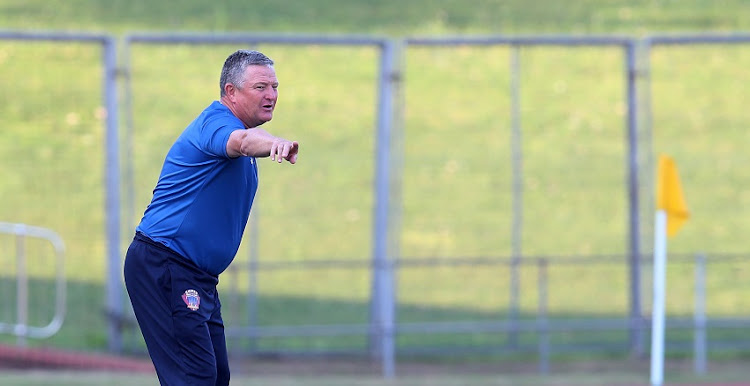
[[191, 298]]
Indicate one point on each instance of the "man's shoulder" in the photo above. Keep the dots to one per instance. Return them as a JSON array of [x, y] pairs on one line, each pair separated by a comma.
[[217, 112]]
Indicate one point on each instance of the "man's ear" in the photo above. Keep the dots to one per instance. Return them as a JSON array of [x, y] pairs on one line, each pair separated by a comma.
[[229, 90]]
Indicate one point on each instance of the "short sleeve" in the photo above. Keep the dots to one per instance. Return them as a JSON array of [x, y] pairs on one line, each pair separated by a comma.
[[215, 133]]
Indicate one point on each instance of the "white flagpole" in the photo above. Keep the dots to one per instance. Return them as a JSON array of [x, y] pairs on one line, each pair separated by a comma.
[[657, 316]]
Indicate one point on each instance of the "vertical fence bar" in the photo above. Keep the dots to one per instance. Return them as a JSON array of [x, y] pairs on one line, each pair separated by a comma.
[[643, 117], [128, 166], [22, 287], [699, 316], [516, 162], [542, 321], [383, 281], [387, 321], [112, 180], [634, 231], [233, 273], [252, 290]]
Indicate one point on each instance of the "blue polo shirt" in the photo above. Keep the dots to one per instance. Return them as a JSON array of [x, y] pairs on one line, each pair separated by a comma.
[[202, 200]]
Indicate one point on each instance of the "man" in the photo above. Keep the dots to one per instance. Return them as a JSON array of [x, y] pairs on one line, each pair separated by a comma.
[[192, 228]]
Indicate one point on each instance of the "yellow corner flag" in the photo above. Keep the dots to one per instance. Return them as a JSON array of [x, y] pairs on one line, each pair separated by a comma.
[[669, 195]]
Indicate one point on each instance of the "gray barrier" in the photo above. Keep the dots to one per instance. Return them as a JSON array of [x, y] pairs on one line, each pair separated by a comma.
[[22, 327]]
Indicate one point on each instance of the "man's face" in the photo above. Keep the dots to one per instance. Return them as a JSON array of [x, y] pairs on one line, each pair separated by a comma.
[[256, 99]]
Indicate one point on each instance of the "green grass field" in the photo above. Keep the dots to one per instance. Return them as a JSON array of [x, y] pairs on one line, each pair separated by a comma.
[[390, 17], [86, 379], [456, 141], [721, 377]]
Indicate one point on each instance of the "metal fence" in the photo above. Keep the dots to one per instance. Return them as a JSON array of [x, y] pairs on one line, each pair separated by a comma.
[[60, 167], [414, 282], [544, 329]]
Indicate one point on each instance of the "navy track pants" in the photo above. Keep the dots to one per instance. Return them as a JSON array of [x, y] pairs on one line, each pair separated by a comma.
[[177, 308]]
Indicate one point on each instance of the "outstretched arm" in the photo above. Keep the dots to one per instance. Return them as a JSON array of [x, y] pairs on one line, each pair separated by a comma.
[[257, 142]]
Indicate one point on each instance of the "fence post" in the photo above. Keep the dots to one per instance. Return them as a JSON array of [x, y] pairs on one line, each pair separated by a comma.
[[542, 321], [699, 316], [634, 231], [382, 320], [516, 162], [22, 287], [114, 304], [253, 274]]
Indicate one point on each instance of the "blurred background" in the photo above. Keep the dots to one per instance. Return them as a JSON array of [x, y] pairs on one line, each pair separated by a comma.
[[473, 204]]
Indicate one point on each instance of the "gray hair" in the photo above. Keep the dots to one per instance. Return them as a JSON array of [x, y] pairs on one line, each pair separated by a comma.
[[235, 65]]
